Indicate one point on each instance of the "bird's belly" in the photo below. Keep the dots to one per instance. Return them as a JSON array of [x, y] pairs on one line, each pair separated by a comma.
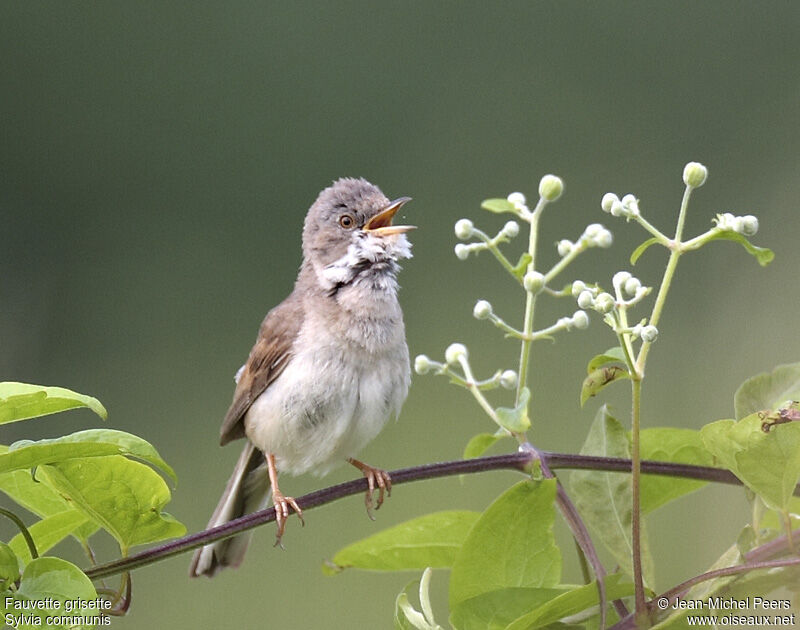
[[326, 406]]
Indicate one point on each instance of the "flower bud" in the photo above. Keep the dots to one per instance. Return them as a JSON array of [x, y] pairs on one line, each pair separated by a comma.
[[649, 333], [511, 229], [593, 229], [617, 209], [564, 247], [603, 303], [695, 174], [620, 278], [422, 364], [454, 352], [631, 205], [749, 225], [517, 199], [632, 285], [462, 251], [580, 320], [533, 281], [578, 287], [550, 187], [482, 310], [586, 299], [608, 201], [604, 239], [464, 229], [508, 379]]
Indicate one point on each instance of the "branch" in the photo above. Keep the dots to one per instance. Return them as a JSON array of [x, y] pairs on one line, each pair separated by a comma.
[[666, 600], [514, 461]]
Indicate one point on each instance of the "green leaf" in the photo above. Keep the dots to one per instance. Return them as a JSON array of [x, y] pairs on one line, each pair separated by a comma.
[[40, 499], [480, 443], [767, 391], [496, 609], [432, 540], [767, 463], [54, 579], [641, 249], [21, 401], [763, 255], [612, 355], [515, 420], [604, 498], [9, 566], [499, 206], [89, 443], [48, 532], [571, 603], [511, 545], [600, 378], [680, 446], [123, 496]]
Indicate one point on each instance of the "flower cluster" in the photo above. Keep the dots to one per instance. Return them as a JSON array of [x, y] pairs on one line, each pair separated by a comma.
[[627, 207], [746, 225]]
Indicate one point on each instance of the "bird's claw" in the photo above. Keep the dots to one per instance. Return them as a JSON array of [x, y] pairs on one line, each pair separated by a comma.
[[282, 504]]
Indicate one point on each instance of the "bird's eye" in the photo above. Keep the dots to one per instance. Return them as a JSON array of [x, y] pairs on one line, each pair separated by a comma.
[[347, 221]]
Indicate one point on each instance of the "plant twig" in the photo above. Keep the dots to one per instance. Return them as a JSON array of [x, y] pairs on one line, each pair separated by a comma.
[[22, 530], [514, 461]]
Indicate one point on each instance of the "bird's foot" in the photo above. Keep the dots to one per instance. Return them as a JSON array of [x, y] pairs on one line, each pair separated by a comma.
[[376, 478], [282, 504]]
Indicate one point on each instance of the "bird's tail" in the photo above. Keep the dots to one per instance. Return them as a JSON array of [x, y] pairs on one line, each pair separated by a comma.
[[248, 490]]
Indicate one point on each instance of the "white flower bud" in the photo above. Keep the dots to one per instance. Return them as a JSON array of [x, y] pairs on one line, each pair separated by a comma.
[[620, 278], [608, 201], [482, 310], [605, 239], [550, 187], [586, 299], [632, 285], [564, 247], [749, 225], [533, 281], [580, 320], [617, 209], [464, 229], [511, 229], [422, 364], [454, 352], [508, 379], [593, 229], [694, 174], [517, 199], [631, 205], [462, 251], [578, 287], [603, 303], [649, 333]]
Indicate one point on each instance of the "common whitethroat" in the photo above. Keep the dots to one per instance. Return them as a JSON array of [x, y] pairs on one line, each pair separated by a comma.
[[328, 369]]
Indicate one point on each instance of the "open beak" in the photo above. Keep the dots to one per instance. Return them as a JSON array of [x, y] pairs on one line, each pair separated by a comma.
[[381, 223]]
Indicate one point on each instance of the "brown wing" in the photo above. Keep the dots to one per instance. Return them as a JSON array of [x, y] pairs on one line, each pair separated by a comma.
[[268, 358]]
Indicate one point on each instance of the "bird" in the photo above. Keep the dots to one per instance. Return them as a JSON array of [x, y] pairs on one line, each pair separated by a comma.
[[330, 365]]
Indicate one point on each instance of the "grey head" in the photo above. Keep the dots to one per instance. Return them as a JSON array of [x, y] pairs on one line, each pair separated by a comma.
[[348, 234]]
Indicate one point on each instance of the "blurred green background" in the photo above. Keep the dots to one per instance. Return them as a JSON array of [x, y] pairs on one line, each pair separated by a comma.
[[157, 160]]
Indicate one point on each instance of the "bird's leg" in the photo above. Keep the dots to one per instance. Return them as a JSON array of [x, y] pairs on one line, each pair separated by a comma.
[[375, 477], [281, 501]]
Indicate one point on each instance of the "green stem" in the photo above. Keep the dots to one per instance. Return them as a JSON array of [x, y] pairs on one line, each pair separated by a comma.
[[660, 236], [636, 517], [22, 530], [676, 249], [476, 392], [579, 248], [491, 245], [530, 301]]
